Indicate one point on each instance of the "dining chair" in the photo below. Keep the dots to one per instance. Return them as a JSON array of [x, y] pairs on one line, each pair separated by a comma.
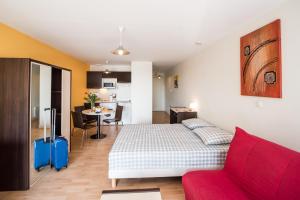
[[78, 123], [86, 119], [118, 117]]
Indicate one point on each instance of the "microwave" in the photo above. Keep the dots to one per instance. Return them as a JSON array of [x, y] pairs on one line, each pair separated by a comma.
[[109, 83]]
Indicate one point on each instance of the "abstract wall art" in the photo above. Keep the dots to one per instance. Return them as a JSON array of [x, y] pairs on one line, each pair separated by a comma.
[[260, 53], [176, 81]]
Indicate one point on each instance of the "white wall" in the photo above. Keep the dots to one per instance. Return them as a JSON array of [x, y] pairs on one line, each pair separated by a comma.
[[212, 79], [45, 94], [65, 105], [141, 92], [159, 94], [117, 68]]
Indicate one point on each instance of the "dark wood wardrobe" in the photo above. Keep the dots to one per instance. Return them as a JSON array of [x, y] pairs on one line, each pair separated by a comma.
[[14, 123], [15, 120]]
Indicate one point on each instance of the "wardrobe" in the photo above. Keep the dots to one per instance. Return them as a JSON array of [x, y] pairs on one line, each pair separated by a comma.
[[27, 87]]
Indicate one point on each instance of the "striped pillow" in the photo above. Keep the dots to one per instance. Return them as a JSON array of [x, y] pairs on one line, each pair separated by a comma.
[[213, 135], [196, 123]]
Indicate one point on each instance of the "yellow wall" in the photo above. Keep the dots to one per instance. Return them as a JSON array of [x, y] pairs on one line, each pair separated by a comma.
[[14, 44]]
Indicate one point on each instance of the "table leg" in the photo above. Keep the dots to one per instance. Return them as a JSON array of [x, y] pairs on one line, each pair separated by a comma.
[[98, 135]]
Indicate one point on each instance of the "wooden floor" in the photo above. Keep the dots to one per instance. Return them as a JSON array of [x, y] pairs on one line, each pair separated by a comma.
[[160, 117], [87, 176]]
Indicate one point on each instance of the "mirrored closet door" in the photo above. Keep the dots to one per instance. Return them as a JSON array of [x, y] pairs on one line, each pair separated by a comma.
[[40, 99], [50, 88]]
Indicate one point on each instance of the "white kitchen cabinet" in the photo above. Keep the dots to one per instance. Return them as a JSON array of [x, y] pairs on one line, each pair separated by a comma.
[[126, 115], [108, 105]]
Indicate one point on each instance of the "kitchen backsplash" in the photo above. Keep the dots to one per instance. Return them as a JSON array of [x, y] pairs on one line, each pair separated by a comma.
[[122, 91]]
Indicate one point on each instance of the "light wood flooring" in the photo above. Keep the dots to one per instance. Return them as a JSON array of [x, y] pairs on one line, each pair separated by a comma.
[[160, 117], [87, 176]]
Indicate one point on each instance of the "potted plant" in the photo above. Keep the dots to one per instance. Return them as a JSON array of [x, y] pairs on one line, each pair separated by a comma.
[[91, 98]]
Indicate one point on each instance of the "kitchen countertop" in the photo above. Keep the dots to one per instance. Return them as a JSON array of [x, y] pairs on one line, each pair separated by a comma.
[[116, 101]]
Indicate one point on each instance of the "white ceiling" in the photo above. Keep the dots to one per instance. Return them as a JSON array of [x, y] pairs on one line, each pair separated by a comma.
[[162, 31]]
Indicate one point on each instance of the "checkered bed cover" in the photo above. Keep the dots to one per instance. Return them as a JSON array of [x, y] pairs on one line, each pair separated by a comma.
[[163, 146]]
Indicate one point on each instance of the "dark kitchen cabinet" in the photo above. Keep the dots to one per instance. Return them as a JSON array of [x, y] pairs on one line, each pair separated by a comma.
[[123, 77], [109, 75], [94, 80]]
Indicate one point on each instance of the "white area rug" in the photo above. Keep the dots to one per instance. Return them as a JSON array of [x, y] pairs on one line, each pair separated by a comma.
[[138, 194]]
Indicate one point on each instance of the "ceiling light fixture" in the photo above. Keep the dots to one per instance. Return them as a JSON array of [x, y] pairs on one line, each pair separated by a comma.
[[198, 43], [121, 51], [106, 71], [157, 75]]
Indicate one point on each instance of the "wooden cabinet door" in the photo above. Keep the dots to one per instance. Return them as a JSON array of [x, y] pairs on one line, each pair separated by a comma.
[[109, 75], [14, 123], [123, 77], [94, 80]]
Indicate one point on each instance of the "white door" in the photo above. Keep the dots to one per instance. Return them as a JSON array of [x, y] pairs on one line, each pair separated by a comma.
[[158, 94], [66, 105]]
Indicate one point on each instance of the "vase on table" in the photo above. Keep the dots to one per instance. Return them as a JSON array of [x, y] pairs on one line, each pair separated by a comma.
[[92, 105], [91, 98]]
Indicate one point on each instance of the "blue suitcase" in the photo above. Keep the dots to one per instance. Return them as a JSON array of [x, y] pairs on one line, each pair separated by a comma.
[[41, 153], [59, 153], [42, 147], [50, 148]]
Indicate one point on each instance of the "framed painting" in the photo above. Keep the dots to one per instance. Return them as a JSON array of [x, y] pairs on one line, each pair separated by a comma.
[[176, 81], [260, 57]]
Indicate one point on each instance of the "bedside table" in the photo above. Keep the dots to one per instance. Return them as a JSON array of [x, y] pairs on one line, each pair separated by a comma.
[[177, 114]]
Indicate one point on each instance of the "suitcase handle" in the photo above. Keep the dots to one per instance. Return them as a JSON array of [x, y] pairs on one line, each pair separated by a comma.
[[53, 122], [45, 123]]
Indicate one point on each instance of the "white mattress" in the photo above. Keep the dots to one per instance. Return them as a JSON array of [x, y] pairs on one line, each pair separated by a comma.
[[161, 150]]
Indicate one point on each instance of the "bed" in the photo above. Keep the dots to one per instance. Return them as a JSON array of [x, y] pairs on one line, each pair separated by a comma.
[[161, 150]]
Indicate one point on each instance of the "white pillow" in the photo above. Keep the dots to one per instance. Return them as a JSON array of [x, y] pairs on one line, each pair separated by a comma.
[[213, 135], [196, 123]]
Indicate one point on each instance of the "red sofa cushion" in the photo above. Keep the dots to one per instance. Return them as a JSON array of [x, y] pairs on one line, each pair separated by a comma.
[[211, 185], [262, 168], [254, 169]]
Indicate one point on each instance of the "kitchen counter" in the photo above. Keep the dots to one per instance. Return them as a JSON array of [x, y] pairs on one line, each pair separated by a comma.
[[116, 101]]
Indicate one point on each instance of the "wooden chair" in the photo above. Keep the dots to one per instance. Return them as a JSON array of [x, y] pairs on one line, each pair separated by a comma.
[[118, 117], [78, 123]]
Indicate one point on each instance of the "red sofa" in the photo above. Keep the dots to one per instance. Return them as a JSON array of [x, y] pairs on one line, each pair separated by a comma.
[[254, 169]]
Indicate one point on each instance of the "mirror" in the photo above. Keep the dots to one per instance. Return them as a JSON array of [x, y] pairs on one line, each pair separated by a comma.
[[40, 98]]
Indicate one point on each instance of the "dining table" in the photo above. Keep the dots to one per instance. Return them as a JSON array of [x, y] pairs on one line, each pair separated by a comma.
[[92, 112]]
